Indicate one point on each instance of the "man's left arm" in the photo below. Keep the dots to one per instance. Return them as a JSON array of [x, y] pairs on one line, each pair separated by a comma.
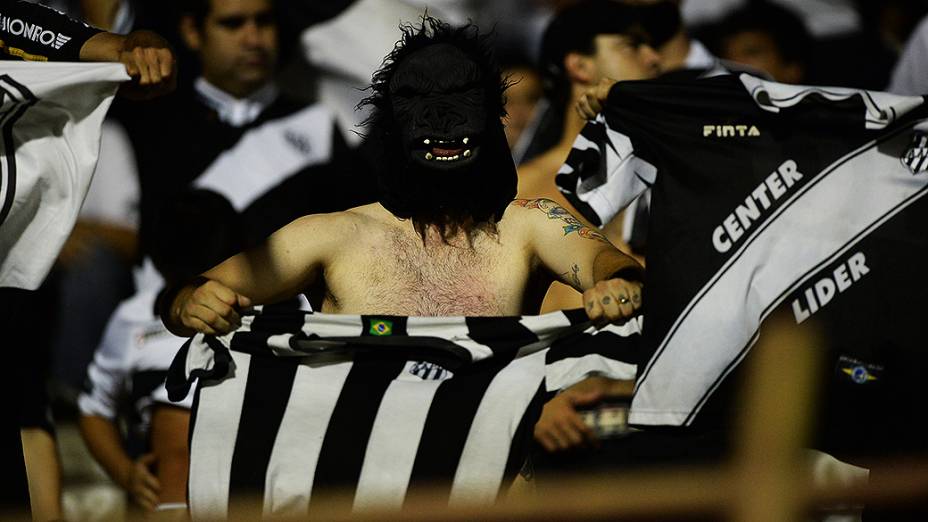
[[583, 258]]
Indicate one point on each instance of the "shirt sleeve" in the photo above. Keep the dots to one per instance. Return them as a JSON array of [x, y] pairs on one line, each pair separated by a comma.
[[603, 173], [106, 375], [34, 32]]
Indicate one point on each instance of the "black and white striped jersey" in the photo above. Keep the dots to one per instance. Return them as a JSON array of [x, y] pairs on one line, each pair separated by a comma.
[[295, 403], [764, 195]]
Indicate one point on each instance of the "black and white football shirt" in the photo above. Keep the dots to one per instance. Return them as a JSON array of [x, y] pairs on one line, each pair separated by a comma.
[[766, 195]]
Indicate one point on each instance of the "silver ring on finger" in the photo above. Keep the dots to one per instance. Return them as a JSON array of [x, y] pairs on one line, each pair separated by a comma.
[[623, 300]]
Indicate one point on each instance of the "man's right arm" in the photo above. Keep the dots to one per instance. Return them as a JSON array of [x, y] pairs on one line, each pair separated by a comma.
[[56, 37], [292, 259]]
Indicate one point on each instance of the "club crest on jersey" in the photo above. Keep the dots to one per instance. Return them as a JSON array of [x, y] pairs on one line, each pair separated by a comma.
[[859, 372], [916, 156], [426, 371], [300, 142], [730, 131]]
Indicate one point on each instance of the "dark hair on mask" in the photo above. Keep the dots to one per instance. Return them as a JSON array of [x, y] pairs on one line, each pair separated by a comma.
[[398, 188], [430, 32], [574, 30]]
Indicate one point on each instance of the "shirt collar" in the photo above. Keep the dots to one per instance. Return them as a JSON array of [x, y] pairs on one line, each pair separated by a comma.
[[235, 111], [699, 57]]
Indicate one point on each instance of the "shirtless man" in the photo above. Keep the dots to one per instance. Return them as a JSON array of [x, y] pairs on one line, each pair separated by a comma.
[[446, 237]]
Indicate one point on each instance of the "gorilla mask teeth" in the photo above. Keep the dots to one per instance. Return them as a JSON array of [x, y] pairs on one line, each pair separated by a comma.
[[465, 140], [428, 155], [426, 141], [466, 152]]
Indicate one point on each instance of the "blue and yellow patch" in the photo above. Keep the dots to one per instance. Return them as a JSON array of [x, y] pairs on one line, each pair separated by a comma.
[[381, 327], [859, 372]]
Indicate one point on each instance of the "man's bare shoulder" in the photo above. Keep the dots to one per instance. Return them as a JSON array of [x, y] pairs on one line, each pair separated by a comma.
[[549, 215], [338, 225], [525, 209], [342, 221], [524, 214]]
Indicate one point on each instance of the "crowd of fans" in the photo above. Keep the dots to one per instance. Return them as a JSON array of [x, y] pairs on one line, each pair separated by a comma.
[[262, 129]]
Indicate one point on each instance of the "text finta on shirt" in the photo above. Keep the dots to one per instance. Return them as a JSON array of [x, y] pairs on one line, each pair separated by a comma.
[[730, 131]]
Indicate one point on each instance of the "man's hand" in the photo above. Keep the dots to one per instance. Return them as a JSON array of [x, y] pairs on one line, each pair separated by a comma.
[[560, 426], [612, 300], [591, 102], [141, 484], [210, 308], [148, 58]]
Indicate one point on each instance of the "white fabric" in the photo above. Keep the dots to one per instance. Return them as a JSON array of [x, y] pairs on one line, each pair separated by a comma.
[[823, 18], [267, 155], [881, 108], [626, 176], [699, 57], [114, 193], [235, 111], [134, 340], [349, 48], [55, 143]]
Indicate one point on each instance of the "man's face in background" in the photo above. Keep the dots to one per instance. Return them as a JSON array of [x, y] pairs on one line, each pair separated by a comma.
[[237, 44], [759, 50], [624, 57]]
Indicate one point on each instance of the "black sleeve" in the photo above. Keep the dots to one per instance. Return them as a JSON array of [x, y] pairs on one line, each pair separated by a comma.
[[37, 33]]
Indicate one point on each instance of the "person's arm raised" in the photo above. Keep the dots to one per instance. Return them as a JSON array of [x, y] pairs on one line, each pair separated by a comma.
[[289, 261], [583, 258]]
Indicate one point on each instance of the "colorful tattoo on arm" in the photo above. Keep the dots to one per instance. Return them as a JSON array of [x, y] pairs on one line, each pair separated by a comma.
[[569, 224]]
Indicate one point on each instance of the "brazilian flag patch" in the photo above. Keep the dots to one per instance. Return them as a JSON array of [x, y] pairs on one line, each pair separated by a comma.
[[381, 327]]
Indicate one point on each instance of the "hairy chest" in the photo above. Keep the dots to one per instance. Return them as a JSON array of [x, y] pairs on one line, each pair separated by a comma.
[[399, 276]]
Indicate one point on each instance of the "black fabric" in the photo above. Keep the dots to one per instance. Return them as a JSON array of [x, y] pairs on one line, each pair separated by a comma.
[[447, 425], [14, 490], [138, 416], [34, 32], [266, 393], [504, 338], [523, 439], [350, 425], [599, 343]]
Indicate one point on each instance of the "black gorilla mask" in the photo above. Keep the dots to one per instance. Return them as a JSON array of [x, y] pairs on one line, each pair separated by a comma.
[[439, 107], [436, 122]]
